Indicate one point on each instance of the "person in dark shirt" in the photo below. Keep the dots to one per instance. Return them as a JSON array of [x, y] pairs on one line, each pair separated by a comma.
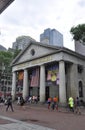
[[9, 104], [77, 106]]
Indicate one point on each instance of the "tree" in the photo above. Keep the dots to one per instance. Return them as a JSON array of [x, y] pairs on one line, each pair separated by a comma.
[[6, 56], [78, 33], [5, 59]]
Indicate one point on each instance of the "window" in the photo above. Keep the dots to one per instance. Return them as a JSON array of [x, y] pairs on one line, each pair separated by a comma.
[[80, 89], [80, 68], [32, 52], [9, 89]]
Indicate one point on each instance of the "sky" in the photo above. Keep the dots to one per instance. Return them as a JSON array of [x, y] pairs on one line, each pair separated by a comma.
[[32, 17]]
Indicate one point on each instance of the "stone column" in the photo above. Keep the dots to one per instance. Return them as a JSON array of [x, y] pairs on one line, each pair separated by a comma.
[[62, 87], [13, 85], [73, 81], [25, 84], [42, 83]]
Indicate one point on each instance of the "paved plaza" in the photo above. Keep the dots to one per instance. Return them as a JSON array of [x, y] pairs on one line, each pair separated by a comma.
[[19, 125], [38, 117]]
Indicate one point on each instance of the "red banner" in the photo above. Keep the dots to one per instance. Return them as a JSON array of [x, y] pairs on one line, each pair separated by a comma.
[[35, 78]]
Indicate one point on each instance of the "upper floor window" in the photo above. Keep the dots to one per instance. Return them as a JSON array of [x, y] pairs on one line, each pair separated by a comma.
[[80, 68], [80, 89], [32, 52]]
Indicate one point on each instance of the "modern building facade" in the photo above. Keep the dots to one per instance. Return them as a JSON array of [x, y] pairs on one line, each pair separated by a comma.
[[46, 71], [21, 42], [51, 37]]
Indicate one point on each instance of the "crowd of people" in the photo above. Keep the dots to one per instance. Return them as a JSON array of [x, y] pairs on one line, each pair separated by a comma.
[[30, 99], [73, 103], [52, 103]]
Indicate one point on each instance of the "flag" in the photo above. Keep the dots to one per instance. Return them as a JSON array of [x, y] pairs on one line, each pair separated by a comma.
[[57, 80], [53, 77], [49, 72], [20, 75], [49, 75], [35, 78], [54, 71], [52, 74]]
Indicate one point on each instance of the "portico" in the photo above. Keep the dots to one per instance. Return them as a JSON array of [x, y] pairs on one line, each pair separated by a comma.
[[59, 62]]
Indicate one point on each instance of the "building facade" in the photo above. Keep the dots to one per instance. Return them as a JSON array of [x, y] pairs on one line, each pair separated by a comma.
[[79, 47], [46, 71], [51, 37]]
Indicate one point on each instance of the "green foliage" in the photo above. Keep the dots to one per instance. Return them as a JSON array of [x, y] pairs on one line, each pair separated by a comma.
[[78, 32], [5, 60], [6, 57]]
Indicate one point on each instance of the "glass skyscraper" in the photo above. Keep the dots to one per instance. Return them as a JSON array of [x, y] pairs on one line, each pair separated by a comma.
[[52, 37]]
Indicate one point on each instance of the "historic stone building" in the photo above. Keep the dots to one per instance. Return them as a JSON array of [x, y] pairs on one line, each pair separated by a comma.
[[47, 71]]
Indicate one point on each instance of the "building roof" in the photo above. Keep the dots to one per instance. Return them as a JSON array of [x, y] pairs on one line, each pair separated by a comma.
[[4, 4], [55, 49]]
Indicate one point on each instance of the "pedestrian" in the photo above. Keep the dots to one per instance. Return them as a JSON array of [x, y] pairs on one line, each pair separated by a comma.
[[22, 102], [9, 104], [54, 103], [77, 106], [71, 104], [18, 100], [30, 99], [49, 102]]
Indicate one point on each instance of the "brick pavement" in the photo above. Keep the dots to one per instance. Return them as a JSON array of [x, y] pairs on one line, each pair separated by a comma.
[[40, 115], [19, 125]]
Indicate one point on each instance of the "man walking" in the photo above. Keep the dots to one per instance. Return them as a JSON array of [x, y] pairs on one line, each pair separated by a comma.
[[77, 106], [9, 104], [71, 104]]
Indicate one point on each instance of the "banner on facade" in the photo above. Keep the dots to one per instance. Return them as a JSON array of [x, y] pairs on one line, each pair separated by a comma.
[[53, 74], [21, 75], [57, 79], [35, 78]]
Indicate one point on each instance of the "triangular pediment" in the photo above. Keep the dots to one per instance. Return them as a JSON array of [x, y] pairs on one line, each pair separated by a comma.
[[34, 50]]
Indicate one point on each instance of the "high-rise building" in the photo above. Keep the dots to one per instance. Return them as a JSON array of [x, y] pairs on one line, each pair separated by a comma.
[[52, 37], [21, 42]]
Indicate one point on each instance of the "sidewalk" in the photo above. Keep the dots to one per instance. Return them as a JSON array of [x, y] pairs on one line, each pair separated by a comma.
[[37, 116], [11, 123], [19, 125]]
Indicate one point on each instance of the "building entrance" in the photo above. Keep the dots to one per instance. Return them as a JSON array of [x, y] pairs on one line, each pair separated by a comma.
[[47, 93]]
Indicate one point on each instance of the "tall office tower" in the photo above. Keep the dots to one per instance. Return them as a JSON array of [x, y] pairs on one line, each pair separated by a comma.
[[21, 42], [52, 37]]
